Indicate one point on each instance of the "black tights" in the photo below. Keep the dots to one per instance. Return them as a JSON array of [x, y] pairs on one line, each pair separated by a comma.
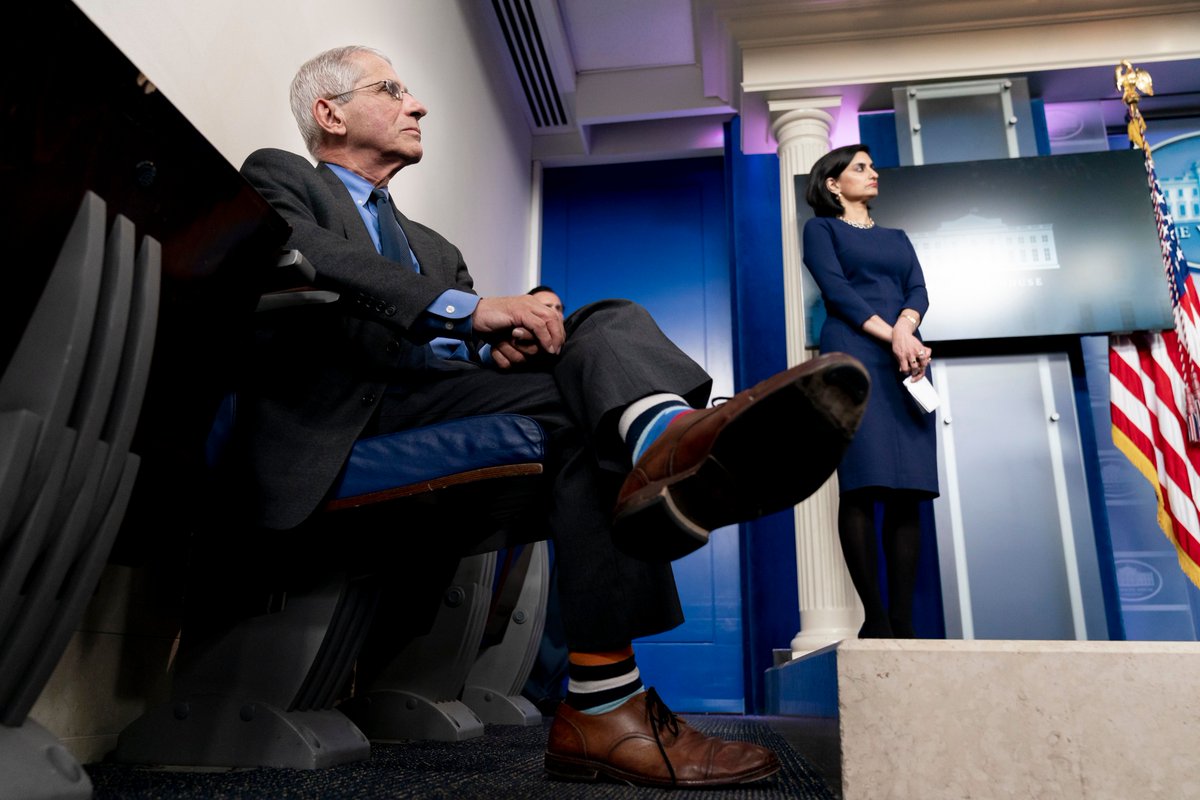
[[901, 548]]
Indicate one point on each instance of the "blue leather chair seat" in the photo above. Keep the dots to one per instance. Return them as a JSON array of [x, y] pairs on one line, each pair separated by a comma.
[[418, 459], [381, 466]]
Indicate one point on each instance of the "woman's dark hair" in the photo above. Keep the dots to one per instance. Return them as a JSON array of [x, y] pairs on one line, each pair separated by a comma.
[[830, 165]]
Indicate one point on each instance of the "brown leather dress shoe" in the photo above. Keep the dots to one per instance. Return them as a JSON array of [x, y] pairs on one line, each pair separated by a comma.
[[642, 742], [763, 450]]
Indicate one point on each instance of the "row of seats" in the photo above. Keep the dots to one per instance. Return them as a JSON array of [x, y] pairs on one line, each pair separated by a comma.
[[70, 397], [297, 649]]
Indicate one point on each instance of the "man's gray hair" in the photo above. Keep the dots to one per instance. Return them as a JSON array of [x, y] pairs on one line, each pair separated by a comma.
[[326, 75]]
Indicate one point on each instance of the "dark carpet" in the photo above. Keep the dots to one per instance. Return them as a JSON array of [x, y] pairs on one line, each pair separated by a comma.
[[505, 762]]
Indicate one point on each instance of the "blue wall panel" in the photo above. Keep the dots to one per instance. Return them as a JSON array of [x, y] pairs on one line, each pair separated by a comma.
[[655, 233]]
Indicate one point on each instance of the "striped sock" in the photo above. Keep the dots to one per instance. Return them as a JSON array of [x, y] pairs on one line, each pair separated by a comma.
[[645, 420], [599, 682]]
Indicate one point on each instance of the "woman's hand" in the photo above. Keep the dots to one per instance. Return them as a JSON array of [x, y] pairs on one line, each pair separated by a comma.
[[912, 355]]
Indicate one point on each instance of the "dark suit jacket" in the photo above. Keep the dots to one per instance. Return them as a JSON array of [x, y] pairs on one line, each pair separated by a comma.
[[317, 373]]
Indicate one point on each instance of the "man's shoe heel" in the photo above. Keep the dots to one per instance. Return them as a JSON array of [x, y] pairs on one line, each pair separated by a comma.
[[808, 425], [658, 530], [565, 770], [840, 393], [832, 406], [852, 379]]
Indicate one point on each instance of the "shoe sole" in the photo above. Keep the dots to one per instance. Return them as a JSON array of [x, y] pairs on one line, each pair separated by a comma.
[[564, 768], [811, 410]]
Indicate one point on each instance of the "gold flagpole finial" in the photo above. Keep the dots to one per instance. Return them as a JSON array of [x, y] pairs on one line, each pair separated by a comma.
[[1131, 81]]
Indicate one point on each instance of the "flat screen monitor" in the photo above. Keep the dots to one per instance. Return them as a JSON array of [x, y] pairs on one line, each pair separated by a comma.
[[1020, 247]]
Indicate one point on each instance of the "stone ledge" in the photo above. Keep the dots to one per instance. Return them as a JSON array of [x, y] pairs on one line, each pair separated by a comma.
[[952, 719]]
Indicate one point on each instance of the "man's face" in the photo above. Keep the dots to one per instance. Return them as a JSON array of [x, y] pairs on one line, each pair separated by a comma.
[[379, 126], [550, 300]]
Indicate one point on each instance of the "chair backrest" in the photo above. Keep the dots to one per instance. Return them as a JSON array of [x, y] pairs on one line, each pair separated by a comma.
[[70, 398], [80, 371]]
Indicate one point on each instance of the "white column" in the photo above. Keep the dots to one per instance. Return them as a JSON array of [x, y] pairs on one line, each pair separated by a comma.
[[829, 607]]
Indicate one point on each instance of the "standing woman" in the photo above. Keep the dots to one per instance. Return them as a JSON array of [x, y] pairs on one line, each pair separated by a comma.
[[875, 298]]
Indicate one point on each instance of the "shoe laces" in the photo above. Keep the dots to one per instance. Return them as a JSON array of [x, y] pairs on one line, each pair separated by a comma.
[[661, 717]]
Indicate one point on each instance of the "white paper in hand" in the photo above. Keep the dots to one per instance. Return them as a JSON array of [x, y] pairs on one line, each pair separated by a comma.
[[923, 392]]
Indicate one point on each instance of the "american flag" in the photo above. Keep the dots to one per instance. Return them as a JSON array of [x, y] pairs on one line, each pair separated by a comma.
[[1155, 397]]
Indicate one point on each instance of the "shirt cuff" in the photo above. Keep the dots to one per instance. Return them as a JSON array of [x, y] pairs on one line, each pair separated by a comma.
[[450, 314]]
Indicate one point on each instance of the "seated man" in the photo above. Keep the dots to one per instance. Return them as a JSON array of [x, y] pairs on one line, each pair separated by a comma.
[[548, 296], [401, 349]]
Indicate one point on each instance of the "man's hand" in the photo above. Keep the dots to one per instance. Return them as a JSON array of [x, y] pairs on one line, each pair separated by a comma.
[[518, 328]]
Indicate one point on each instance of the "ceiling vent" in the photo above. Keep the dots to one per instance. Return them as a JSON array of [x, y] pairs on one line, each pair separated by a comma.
[[528, 51]]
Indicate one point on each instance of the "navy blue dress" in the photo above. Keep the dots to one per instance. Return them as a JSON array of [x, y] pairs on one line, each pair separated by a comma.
[[862, 273]]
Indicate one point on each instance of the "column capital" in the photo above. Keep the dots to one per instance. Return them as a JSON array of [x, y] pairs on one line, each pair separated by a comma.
[[782, 104], [785, 111]]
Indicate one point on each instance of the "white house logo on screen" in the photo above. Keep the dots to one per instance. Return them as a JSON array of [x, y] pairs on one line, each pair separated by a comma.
[[1177, 162], [986, 244], [1183, 195], [1137, 580]]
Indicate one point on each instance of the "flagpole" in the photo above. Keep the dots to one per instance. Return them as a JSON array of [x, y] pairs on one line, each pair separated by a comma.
[[1132, 81]]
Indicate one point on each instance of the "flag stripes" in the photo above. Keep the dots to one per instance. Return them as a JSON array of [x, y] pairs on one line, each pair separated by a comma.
[[1155, 397]]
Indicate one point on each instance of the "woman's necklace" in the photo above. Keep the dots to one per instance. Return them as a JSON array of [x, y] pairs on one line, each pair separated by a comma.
[[870, 223]]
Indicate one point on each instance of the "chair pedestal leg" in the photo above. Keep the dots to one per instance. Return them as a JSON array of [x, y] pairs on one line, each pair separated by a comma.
[[393, 715], [493, 688], [416, 695], [36, 767], [220, 731], [236, 693], [501, 709]]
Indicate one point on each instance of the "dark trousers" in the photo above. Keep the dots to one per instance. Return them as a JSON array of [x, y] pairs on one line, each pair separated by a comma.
[[614, 354]]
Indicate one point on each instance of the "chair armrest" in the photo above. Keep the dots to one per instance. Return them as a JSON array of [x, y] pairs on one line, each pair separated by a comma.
[[290, 284]]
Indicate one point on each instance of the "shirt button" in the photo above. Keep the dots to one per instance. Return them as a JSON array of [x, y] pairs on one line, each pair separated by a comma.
[[448, 326], [368, 398], [449, 309], [390, 311]]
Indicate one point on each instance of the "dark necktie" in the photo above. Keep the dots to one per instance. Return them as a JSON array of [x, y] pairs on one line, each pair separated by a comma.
[[393, 243]]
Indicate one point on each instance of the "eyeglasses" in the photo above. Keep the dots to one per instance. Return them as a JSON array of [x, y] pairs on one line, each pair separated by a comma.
[[394, 89]]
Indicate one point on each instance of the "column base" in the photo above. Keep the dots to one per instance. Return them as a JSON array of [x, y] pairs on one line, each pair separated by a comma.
[[823, 627]]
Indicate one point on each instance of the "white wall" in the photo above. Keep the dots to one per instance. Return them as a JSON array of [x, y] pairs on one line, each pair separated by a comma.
[[227, 64]]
